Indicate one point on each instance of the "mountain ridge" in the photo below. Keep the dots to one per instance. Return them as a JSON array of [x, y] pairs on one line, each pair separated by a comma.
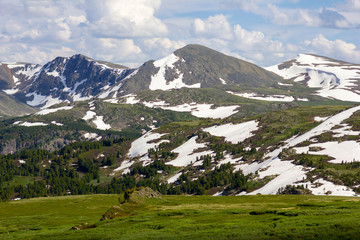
[[194, 114], [82, 78]]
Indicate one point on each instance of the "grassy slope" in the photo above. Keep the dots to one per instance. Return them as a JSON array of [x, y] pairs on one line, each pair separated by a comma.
[[184, 217]]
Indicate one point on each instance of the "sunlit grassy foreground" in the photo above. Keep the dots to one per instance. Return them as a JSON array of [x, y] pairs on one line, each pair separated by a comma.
[[183, 217]]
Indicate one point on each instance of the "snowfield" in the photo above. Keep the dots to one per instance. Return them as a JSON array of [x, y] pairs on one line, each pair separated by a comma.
[[347, 151], [30, 124], [187, 154], [158, 81], [45, 101], [100, 124], [204, 110], [140, 146], [89, 115], [234, 133], [125, 167], [271, 98], [52, 110], [174, 178], [92, 136], [335, 80], [288, 173]]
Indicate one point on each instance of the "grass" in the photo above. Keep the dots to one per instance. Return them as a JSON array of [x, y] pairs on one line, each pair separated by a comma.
[[183, 217], [23, 180]]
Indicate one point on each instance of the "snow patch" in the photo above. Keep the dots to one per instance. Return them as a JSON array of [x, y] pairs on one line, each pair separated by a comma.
[[335, 79], [89, 115], [186, 153], [159, 82], [140, 146], [222, 81], [320, 119], [52, 110], [204, 110], [347, 151], [125, 166], [174, 178], [100, 124], [285, 84], [289, 173], [131, 99], [271, 98], [56, 123], [92, 136], [234, 133], [31, 124], [46, 101]]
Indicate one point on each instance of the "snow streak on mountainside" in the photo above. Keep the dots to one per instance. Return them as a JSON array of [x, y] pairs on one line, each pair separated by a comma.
[[335, 79]]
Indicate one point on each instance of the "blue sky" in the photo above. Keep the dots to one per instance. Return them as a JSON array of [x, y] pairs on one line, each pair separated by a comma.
[[132, 32]]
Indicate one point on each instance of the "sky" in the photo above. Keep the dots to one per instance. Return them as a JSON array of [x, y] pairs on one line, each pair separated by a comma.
[[131, 32]]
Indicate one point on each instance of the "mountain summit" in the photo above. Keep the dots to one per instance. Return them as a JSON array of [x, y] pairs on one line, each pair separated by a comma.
[[80, 78], [196, 66]]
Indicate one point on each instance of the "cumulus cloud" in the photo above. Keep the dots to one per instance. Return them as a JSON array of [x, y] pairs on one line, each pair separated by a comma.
[[132, 32], [214, 26], [111, 29], [336, 48], [123, 18], [342, 15], [159, 47], [218, 33]]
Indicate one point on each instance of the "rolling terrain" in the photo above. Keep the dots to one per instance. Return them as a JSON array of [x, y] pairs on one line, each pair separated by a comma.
[[181, 217]]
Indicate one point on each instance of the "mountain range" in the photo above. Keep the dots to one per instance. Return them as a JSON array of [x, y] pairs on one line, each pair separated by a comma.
[[292, 124]]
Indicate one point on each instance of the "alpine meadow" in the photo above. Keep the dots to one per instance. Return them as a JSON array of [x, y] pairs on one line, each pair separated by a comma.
[[201, 143]]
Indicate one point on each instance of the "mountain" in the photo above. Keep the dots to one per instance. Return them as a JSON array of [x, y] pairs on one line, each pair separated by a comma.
[[331, 78], [195, 122], [76, 78], [15, 74], [196, 66], [79, 78], [10, 106]]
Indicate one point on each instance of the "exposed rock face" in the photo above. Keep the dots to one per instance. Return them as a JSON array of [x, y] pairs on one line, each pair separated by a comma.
[[10, 147], [72, 79]]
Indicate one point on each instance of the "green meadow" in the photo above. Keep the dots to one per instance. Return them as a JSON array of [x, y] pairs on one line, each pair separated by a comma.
[[182, 217]]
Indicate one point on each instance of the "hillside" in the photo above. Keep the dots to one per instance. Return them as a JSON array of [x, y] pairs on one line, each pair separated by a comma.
[[331, 78], [194, 67], [195, 122], [10, 106]]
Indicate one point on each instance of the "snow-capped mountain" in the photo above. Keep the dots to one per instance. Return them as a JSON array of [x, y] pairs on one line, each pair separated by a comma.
[[14, 76], [79, 78], [198, 104], [333, 79], [196, 66], [69, 79]]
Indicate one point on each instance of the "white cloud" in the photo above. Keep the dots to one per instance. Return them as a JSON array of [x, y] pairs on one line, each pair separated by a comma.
[[123, 18], [338, 48], [246, 40], [132, 32], [214, 26], [216, 32], [158, 47]]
